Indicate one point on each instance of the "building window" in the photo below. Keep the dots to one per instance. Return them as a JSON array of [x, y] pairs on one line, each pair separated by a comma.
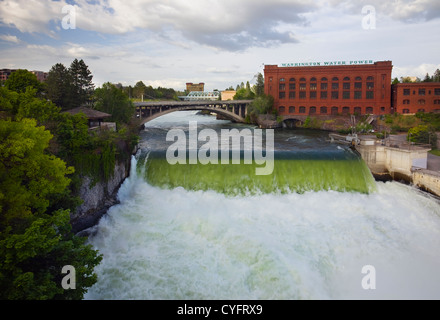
[[313, 79], [358, 79], [282, 95], [369, 110], [292, 95], [335, 86], [302, 94], [437, 91], [324, 86], [358, 85], [302, 87], [357, 111], [335, 95], [313, 86], [406, 92], [270, 79], [282, 109], [312, 110], [405, 111], [346, 86], [291, 109], [335, 79], [436, 101], [346, 95], [323, 94], [382, 109], [346, 79], [324, 79], [370, 78], [282, 87], [292, 86], [335, 111], [406, 101], [282, 80], [292, 80], [358, 94], [421, 102], [302, 79], [370, 95], [422, 92], [312, 94], [345, 110], [323, 110], [421, 110], [302, 109], [370, 85]]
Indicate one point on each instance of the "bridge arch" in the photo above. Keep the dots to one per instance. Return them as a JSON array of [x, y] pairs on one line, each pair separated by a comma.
[[152, 110]]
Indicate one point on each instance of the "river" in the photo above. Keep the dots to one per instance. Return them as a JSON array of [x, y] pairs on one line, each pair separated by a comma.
[[306, 231]]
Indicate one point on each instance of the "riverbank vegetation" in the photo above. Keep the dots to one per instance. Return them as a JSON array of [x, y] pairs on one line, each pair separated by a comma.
[[44, 154]]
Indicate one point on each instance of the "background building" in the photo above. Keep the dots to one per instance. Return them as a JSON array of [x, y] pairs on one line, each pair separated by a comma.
[[228, 94], [360, 87], [5, 73], [190, 87], [416, 97]]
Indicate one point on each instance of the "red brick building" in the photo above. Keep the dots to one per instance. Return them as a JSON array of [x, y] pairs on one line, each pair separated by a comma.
[[354, 87], [416, 97]]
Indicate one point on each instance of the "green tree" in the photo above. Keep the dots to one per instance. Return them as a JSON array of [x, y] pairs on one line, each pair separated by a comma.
[[139, 89], [427, 78], [423, 134], [395, 81], [35, 242], [259, 86], [83, 86], [20, 80], [59, 87], [261, 105], [436, 76], [114, 101]]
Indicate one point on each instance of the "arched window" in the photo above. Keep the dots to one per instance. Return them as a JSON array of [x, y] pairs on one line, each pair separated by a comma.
[[335, 79], [335, 110], [302, 109], [312, 110], [358, 79], [282, 109], [422, 102], [369, 110], [370, 78], [313, 79], [282, 80], [291, 109], [346, 79], [302, 79], [345, 110], [357, 111], [324, 79], [292, 80], [323, 110], [405, 111]]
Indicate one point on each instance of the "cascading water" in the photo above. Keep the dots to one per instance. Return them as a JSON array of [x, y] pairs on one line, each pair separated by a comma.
[[304, 232]]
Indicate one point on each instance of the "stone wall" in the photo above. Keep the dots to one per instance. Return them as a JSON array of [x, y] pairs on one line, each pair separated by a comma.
[[98, 198]]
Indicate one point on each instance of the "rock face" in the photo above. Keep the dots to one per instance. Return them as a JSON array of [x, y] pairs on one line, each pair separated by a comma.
[[98, 198]]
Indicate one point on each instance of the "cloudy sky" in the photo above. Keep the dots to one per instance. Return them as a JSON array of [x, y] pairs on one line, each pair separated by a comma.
[[220, 42]]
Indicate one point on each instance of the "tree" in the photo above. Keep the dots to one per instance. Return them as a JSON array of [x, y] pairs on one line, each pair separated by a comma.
[[436, 76], [59, 87], [114, 101], [35, 238], [423, 134], [139, 89], [259, 86], [19, 80], [83, 86], [427, 78], [395, 81]]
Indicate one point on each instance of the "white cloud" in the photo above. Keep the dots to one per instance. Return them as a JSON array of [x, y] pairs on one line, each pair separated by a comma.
[[9, 38]]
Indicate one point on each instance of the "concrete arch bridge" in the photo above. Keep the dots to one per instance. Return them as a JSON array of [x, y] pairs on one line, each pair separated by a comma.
[[234, 110]]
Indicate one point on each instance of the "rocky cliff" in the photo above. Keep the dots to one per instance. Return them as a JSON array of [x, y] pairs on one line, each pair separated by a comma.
[[98, 198]]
